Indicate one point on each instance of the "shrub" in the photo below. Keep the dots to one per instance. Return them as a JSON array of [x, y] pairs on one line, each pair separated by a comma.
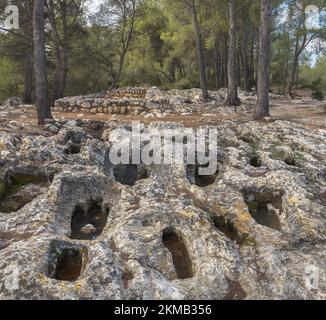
[[317, 91], [318, 95]]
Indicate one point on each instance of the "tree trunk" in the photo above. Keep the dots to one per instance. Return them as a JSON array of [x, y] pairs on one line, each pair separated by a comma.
[[298, 51], [28, 79], [64, 67], [217, 64], [59, 78], [200, 53], [41, 82], [225, 63], [252, 60], [239, 76], [262, 106], [292, 77], [232, 96], [128, 28], [286, 71], [293, 69], [245, 60], [221, 80], [61, 50], [117, 76]]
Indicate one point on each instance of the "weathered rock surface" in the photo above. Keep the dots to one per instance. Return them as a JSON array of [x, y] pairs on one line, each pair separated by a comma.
[[256, 231]]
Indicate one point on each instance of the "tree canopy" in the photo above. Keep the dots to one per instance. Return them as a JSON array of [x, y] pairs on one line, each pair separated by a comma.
[[153, 42]]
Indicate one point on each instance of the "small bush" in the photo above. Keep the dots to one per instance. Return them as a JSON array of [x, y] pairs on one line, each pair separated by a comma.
[[317, 92], [184, 84], [318, 95]]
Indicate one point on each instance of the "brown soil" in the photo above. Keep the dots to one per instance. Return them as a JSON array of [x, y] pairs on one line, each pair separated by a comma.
[[310, 113]]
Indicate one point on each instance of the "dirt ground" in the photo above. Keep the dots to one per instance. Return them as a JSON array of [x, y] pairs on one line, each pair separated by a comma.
[[304, 111]]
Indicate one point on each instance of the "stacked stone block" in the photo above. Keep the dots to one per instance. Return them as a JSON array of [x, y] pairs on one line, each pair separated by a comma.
[[131, 101]]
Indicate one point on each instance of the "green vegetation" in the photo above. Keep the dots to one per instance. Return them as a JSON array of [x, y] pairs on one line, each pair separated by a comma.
[[154, 43], [11, 82], [314, 78]]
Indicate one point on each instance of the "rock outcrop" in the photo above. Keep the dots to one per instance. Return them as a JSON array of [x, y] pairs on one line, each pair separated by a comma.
[[90, 230]]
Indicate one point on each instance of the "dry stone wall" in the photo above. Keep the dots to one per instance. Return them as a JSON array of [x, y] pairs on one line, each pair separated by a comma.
[[131, 101]]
